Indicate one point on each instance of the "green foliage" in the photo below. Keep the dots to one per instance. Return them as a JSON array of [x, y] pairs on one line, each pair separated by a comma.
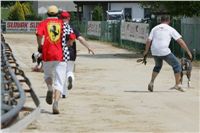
[[174, 8], [184, 8], [73, 20], [16, 12], [97, 14], [26, 8], [22, 11], [7, 3], [4, 13], [73, 16]]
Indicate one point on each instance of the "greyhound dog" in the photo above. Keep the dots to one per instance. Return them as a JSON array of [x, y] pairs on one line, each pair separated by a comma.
[[36, 57], [186, 66]]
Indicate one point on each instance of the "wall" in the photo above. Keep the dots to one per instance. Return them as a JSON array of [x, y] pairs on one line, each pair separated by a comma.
[[137, 10]]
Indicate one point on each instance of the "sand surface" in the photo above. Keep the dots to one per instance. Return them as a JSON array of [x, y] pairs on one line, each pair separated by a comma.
[[110, 93]]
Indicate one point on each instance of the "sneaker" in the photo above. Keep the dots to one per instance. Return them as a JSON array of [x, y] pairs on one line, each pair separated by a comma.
[[69, 83], [178, 88], [55, 108], [49, 97], [150, 87]]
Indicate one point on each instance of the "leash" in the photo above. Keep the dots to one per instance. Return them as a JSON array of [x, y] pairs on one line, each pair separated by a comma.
[[142, 60]]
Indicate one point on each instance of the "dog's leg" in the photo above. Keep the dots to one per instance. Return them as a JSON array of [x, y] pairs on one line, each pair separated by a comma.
[[188, 76]]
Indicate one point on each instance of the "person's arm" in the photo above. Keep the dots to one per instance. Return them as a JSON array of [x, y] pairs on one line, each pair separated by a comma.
[[147, 47], [182, 43], [176, 36], [82, 40], [84, 43], [148, 43], [39, 36], [39, 41]]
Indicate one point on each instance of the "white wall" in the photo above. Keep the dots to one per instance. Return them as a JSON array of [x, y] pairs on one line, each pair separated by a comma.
[[137, 10]]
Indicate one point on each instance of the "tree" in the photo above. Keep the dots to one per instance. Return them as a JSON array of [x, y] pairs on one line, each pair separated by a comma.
[[26, 9], [16, 12], [7, 3], [184, 8], [174, 8], [22, 11], [73, 20], [73, 16], [97, 14]]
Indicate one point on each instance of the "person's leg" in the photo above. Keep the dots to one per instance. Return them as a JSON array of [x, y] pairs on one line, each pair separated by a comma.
[[48, 76], [65, 91], [156, 70], [49, 83], [57, 95], [177, 78], [60, 70], [153, 76], [175, 64], [69, 78], [70, 74]]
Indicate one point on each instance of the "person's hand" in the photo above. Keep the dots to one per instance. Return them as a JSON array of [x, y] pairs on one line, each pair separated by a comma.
[[142, 60], [145, 59], [40, 48], [90, 50], [190, 56]]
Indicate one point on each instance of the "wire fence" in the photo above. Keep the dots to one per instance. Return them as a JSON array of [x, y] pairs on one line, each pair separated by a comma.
[[111, 33], [191, 34]]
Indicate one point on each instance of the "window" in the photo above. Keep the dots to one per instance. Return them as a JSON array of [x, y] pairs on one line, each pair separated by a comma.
[[128, 14]]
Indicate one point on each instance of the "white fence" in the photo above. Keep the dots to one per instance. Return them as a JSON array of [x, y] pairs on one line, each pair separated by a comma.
[[94, 28], [137, 32]]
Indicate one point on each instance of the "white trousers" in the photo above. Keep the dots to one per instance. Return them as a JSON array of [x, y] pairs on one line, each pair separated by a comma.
[[69, 73], [56, 71]]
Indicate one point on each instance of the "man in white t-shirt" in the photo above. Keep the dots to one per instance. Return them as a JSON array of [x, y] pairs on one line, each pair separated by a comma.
[[159, 40]]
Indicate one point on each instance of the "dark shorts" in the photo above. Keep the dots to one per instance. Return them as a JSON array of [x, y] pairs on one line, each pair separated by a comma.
[[72, 52], [170, 59]]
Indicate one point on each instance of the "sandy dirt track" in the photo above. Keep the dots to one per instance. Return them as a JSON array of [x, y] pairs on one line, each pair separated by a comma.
[[110, 94]]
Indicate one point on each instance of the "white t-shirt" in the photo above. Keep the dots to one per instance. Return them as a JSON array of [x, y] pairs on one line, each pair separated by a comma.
[[161, 36]]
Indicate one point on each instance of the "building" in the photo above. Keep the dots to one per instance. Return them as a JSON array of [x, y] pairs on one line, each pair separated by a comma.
[[132, 9]]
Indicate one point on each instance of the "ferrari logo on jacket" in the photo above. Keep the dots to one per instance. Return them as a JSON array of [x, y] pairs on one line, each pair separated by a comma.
[[54, 31]]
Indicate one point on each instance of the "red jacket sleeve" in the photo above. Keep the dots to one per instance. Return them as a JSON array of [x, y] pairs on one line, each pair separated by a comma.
[[40, 29], [72, 36]]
